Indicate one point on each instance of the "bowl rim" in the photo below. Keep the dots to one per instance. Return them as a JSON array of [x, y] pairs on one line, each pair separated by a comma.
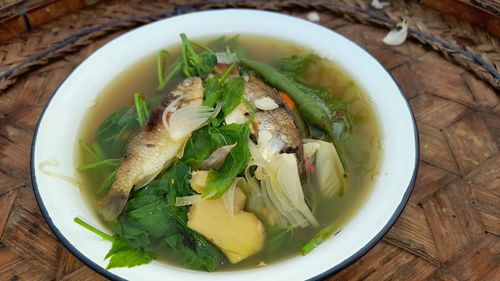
[[333, 270]]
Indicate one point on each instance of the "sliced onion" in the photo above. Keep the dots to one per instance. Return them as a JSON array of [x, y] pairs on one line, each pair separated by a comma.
[[228, 197], [183, 121], [217, 109], [289, 180], [187, 200], [281, 189], [329, 170], [310, 149], [397, 35], [217, 158]]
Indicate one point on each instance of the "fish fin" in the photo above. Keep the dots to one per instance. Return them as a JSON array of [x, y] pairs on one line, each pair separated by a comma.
[[112, 205]]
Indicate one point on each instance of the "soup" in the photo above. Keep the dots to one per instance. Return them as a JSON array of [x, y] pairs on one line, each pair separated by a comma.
[[231, 154]]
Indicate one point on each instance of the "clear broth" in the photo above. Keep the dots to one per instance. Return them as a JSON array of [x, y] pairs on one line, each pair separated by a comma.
[[361, 150]]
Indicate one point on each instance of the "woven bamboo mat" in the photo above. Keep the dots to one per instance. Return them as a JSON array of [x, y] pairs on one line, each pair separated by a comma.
[[450, 228]]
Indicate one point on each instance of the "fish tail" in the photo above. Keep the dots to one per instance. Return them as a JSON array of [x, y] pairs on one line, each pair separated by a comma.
[[112, 205]]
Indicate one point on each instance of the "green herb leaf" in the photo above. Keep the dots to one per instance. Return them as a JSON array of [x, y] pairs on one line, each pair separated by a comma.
[[213, 91], [196, 64], [228, 92], [124, 255], [114, 133], [219, 181], [232, 95], [297, 65], [195, 250], [151, 218], [277, 237]]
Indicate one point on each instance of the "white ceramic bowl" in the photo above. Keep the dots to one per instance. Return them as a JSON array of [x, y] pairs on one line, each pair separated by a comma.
[[58, 129]]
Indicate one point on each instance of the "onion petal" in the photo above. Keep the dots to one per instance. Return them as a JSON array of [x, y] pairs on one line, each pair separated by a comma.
[[217, 158], [329, 171], [228, 197], [280, 189], [183, 121]]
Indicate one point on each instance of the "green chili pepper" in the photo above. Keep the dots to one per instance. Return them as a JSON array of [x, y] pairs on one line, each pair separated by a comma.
[[307, 105]]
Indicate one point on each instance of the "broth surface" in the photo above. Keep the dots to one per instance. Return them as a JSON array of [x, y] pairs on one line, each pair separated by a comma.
[[361, 149]]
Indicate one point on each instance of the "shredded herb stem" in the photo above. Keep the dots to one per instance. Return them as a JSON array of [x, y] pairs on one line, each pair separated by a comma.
[[141, 109], [224, 76], [103, 235], [102, 163]]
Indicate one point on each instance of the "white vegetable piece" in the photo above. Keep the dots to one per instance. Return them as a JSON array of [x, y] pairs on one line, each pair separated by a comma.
[[329, 170], [397, 35], [187, 200], [266, 103], [217, 158], [313, 16], [280, 190], [379, 5], [228, 197], [310, 149], [223, 58], [181, 122], [237, 116]]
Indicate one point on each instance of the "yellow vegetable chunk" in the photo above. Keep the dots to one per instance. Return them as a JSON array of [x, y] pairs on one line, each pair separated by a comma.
[[198, 180], [238, 236]]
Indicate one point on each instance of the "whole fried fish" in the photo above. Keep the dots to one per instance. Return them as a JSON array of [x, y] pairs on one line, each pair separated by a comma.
[[151, 150]]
